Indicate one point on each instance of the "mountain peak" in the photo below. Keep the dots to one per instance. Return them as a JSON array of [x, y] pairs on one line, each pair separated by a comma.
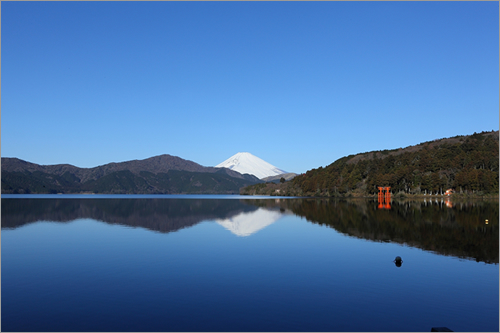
[[244, 162]]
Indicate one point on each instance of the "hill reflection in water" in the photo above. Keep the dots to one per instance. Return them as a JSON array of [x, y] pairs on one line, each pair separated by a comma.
[[161, 215], [459, 231], [431, 225]]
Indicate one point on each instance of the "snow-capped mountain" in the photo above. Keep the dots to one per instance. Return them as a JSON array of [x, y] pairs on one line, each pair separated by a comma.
[[248, 163]]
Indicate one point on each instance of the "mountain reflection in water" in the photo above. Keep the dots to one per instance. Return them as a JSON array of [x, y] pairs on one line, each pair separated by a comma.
[[459, 231], [161, 215], [245, 224]]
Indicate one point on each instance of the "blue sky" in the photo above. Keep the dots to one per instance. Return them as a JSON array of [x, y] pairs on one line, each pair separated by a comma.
[[298, 84]]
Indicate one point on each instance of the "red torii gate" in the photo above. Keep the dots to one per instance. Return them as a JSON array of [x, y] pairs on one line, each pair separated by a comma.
[[384, 197]]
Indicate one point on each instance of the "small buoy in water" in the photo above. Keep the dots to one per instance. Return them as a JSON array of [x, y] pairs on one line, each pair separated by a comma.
[[398, 261], [486, 221]]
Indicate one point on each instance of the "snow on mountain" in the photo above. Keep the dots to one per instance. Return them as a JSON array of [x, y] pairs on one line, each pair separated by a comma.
[[248, 163], [245, 224]]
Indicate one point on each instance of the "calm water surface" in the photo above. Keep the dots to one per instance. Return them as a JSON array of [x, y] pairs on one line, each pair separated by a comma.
[[217, 263]]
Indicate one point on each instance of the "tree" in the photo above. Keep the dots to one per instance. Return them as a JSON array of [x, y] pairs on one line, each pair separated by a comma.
[[282, 180]]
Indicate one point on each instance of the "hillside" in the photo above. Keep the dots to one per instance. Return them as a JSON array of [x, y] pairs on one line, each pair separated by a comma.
[[163, 174], [276, 179], [467, 164]]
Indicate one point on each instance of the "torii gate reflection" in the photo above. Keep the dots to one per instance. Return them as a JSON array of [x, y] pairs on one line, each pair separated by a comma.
[[384, 197]]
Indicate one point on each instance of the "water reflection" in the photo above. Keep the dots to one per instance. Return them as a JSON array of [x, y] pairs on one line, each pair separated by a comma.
[[245, 224], [465, 230], [161, 215], [448, 203], [441, 202], [430, 224]]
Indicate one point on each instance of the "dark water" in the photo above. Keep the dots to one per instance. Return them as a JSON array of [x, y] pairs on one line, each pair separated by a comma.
[[174, 264]]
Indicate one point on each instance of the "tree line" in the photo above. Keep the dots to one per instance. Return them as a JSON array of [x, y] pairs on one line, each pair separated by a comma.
[[468, 164]]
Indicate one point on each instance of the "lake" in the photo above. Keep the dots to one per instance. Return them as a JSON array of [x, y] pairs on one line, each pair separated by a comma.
[[235, 263]]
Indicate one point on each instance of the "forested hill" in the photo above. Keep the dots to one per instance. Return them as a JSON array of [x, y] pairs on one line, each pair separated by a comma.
[[467, 164]]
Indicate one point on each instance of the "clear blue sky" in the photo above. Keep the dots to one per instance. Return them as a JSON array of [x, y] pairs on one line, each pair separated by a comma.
[[298, 84]]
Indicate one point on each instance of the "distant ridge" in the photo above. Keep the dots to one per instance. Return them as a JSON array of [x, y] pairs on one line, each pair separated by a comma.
[[156, 164], [247, 163], [158, 174]]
